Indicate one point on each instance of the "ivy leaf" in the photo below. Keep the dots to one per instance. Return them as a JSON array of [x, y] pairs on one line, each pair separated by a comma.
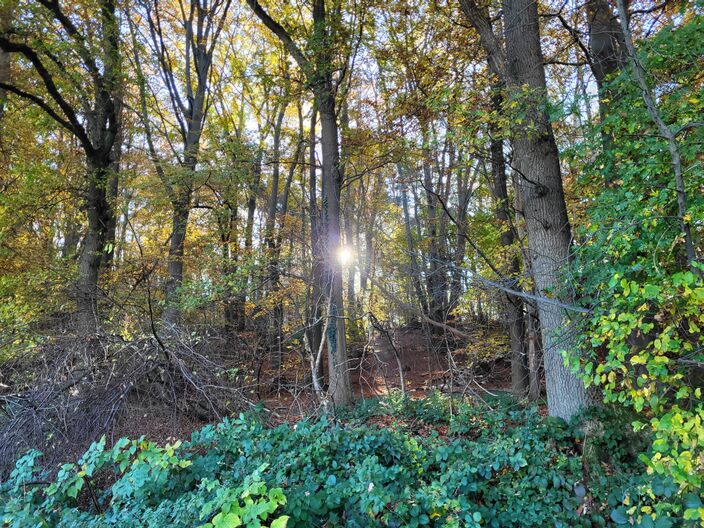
[[619, 515], [692, 501]]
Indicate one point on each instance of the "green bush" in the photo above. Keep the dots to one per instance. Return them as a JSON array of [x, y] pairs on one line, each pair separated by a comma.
[[643, 344], [434, 462]]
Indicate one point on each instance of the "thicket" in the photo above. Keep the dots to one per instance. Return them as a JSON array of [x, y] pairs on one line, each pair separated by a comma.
[[393, 462]]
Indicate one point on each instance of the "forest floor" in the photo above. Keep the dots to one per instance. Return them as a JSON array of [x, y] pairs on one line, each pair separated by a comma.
[[425, 364]]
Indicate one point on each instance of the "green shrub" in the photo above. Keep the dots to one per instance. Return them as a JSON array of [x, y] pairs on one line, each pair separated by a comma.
[[643, 342], [435, 462]]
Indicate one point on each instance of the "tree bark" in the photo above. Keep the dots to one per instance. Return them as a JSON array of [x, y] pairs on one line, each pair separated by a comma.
[[340, 388], [180, 211], [89, 264], [607, 48], [415, 268], [606, 43], [315, 301], [544, 207], [436, 271]]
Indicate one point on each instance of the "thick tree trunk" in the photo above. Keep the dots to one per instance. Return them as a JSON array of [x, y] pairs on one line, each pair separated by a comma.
[[71, 237], [340, 389], [98, 212], [180, 211], [606, 43], [608, 54], [544, 205]]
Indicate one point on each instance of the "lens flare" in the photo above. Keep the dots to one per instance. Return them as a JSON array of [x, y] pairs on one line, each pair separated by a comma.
[[344, 256]]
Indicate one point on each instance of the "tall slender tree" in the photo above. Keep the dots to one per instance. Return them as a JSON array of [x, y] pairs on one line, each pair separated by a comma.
[[183, 41], [318, 65]]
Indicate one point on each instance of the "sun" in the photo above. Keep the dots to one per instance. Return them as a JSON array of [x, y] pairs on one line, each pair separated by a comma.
[[344, 256]]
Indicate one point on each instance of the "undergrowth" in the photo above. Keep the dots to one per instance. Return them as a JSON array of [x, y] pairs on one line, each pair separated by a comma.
[[393, 462]]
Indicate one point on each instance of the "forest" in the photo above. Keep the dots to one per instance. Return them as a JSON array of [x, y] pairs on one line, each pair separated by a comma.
[[362, 263]]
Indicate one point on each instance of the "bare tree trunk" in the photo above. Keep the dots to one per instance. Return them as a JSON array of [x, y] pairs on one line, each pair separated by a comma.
[[415, 268], [607, 48], [272, 279], [181, 209], [315, 300], [98, 212], [340, 389], [513, 305], [465, 182], [606, 44], [531, 336], [533, 341], [71, 237], [124, 222], [435, 276]]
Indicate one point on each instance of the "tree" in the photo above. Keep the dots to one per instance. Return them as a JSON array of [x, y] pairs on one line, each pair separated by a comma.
[[519, 63], [317, 66], [199, 24], [91, 112], [513, 303]]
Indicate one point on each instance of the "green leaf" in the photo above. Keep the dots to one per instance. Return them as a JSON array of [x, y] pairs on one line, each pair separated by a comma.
[[692, 501], [619, 515], [280, 522], [231, 520]]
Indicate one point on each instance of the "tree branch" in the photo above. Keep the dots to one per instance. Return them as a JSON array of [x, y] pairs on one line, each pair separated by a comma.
[[280, 32], [70, 114]]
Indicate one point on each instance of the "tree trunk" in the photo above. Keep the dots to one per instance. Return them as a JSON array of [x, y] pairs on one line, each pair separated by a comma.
[[340, 389], [513, 305], [435, 276], [607, 48], [415, 268], [544, 205], [272, 278], [531, 320], [533, 340], [98, 212], [316, 299], [180, 211], [606, 43]]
